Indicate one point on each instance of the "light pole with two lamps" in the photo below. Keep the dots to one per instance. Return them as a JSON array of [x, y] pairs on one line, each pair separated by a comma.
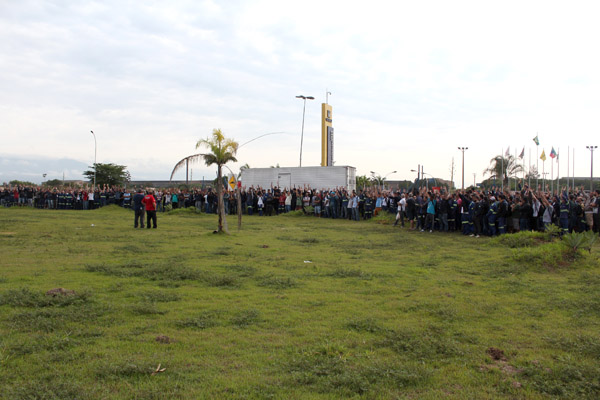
[[303, 113], [95, 147], [591, 149], [463, 149]]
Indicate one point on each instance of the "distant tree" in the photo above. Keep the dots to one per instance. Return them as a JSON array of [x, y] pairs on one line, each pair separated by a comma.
[[377, 180], [53, 183], [108, 174], [242, 168], [532, 173], [503, 168], [362, 181], [21, 183]]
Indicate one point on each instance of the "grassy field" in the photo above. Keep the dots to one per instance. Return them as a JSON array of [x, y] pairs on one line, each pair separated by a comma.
[[290, 307]]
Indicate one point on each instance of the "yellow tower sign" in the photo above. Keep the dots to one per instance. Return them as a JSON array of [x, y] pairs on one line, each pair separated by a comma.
[[326, 135]]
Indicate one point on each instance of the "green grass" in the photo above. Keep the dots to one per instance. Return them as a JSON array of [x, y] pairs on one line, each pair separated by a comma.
[[290, 307]]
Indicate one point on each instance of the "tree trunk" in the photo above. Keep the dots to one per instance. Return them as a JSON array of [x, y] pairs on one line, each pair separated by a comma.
[[220, 205], [239, 205]]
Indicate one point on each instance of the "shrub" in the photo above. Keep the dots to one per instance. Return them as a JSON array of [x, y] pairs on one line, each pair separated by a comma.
[[553, 231], [520, 239], [575, 241], [548, 255]]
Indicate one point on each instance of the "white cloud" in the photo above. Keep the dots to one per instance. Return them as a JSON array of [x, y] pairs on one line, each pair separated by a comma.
[[411, 81]]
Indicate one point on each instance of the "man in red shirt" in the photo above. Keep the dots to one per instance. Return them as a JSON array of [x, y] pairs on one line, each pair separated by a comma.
[[150, 205]]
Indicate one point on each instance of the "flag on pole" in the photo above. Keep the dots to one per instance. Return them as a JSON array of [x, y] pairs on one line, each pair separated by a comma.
[[543, 156], [536, 140], [552, 153], [522, 153], [507, 152]]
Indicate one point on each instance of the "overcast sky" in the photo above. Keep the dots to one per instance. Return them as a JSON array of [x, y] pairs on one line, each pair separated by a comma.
[[410, 82]]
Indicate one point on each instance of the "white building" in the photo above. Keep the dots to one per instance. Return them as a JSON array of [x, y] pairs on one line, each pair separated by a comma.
[[315, 177]]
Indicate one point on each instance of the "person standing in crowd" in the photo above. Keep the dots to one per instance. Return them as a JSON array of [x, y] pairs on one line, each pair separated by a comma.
[[150, 205], [138, 209], [595, 203]]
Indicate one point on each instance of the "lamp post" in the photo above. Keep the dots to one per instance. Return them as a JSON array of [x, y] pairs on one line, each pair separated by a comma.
[[95, 148], [418, 171], [463, 149], [303, 113], [591, 149], [544, 174], [426, 180]]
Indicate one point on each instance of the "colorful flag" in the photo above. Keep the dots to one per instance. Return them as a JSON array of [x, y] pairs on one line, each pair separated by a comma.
[[522, 153], [543, 156], [552, 153], [536, 140], [507, 152]]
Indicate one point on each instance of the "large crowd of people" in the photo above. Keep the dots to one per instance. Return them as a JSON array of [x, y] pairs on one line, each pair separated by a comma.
[[473, 212]]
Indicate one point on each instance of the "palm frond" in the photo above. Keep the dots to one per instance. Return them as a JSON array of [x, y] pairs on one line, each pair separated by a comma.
[[189, 159]]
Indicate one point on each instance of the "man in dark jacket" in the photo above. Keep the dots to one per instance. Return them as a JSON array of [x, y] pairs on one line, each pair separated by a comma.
[[138, 208]]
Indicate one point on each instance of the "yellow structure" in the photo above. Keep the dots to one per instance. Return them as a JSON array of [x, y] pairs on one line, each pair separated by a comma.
[[326, 136]]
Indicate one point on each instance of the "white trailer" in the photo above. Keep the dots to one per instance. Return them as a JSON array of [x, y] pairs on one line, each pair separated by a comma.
[[315, 177]]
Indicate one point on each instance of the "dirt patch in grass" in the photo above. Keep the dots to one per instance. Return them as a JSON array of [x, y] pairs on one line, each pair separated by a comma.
[[496, 354]]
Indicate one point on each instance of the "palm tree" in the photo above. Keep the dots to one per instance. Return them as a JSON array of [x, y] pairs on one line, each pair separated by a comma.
[[377, 180], [242, 168], [362, 181], [503, 168], [222, 150]]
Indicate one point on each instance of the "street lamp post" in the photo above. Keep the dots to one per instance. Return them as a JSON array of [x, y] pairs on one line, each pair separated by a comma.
[[544, 174], [418, 171], [463, 149], [591, 149], [95, 148], [303, 113]]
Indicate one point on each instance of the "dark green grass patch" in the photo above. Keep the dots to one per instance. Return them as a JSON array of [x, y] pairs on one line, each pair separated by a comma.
[[240, 270], [335, 369], [158, 296], [245, 318], [565, 379], [48, 387], [203, 320], [277, 282], [223, 281], [364, 325], [146, 308], [52, 319], [25, 297], [350, 273], [430, 343], [153, 272]]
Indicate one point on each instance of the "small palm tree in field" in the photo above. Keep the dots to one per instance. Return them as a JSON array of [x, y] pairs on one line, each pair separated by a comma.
[[221, 151]]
